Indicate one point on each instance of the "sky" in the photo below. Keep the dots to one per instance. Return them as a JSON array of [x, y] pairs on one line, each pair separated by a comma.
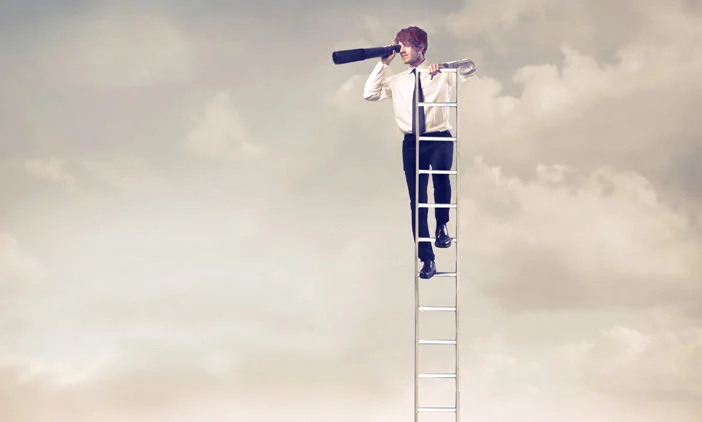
[[201, 217]]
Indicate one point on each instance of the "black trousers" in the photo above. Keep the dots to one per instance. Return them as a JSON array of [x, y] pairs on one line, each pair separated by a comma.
[[439, 156]]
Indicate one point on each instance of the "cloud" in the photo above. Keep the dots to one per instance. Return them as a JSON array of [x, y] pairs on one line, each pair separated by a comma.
[[89, 175], [128, 174], [538, 27], [115, 51], [657, 366], [481, 16], [632, 114], [16, 263], [618, 374], [571, 239], [33, 371], [20, 272], [586, 381], [220, 132], [51, 170], [150, 395]]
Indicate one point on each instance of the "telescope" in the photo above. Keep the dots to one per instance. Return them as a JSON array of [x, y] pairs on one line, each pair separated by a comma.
[[464, 67], [359, 54]]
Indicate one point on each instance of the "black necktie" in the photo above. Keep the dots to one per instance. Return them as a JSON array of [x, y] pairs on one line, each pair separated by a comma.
[[422, 122]]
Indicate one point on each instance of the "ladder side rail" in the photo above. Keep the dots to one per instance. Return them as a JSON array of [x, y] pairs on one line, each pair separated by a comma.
[[416, 247], [457, 399]]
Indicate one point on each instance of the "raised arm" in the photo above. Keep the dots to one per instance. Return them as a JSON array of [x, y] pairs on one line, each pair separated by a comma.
[[376, 87]]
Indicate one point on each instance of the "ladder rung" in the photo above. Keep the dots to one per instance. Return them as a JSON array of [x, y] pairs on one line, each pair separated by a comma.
[[437, 341], [436, 375], [431, 239], [437, 172], [437, 205], [436, 409], [438, 308], [438, 104], [441, 70], [443, 274], [437, 138]]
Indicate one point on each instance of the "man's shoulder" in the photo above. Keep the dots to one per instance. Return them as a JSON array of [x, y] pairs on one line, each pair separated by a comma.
[[397, 74]]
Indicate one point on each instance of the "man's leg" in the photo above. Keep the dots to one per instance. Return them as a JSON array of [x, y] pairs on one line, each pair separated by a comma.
[[442, 159], [425, 252]]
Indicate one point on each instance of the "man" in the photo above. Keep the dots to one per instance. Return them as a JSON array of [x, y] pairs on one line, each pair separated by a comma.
[[434, 121]]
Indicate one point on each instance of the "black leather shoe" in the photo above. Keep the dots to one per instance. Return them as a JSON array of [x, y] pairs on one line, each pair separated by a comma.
[[428, 269], [443, 240]]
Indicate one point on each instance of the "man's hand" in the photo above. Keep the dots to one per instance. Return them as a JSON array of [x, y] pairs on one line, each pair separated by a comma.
[[434, 69], [387, 59]]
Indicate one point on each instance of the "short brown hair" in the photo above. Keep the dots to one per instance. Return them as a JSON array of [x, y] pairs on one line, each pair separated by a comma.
[[414, 36]]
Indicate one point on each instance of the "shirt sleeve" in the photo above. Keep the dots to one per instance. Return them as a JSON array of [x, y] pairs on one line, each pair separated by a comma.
[[377, 87]]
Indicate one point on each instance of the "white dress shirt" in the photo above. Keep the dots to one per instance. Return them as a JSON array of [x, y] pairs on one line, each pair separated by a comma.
[[399, 87]]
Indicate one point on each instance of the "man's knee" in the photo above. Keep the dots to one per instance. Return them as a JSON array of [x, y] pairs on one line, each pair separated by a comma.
[[442, 180]]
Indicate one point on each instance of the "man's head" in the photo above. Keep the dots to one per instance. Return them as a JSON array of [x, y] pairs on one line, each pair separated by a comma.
[[414, 43]]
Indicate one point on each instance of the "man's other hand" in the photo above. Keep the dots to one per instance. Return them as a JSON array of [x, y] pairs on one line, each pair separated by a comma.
[[388, 59], [434, 69]]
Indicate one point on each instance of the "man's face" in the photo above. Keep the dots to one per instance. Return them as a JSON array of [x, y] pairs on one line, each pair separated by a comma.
[[409, 53]]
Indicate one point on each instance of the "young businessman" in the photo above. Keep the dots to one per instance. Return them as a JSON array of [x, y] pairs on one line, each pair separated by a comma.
[[434, 87]]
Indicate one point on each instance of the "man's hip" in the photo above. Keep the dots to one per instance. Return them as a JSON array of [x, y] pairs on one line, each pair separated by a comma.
[[409, 137]]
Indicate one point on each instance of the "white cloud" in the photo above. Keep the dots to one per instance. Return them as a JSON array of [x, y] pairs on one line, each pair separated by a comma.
[[220, 132], [481, 16], [128, 174], [52, 170], [16, 263], [617, 375], [30, 370], [538, 26], [625, 361], [634, 113], [558, 92], [112, 52], [570, 239]]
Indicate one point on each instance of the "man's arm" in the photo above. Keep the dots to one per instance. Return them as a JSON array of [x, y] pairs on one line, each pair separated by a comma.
[[376, 87]]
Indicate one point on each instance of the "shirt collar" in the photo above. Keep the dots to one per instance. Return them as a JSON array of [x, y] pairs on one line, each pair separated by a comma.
[[422, 65]]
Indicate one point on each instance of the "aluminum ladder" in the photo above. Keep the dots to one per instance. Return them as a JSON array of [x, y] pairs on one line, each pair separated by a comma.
[[465, 68]]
